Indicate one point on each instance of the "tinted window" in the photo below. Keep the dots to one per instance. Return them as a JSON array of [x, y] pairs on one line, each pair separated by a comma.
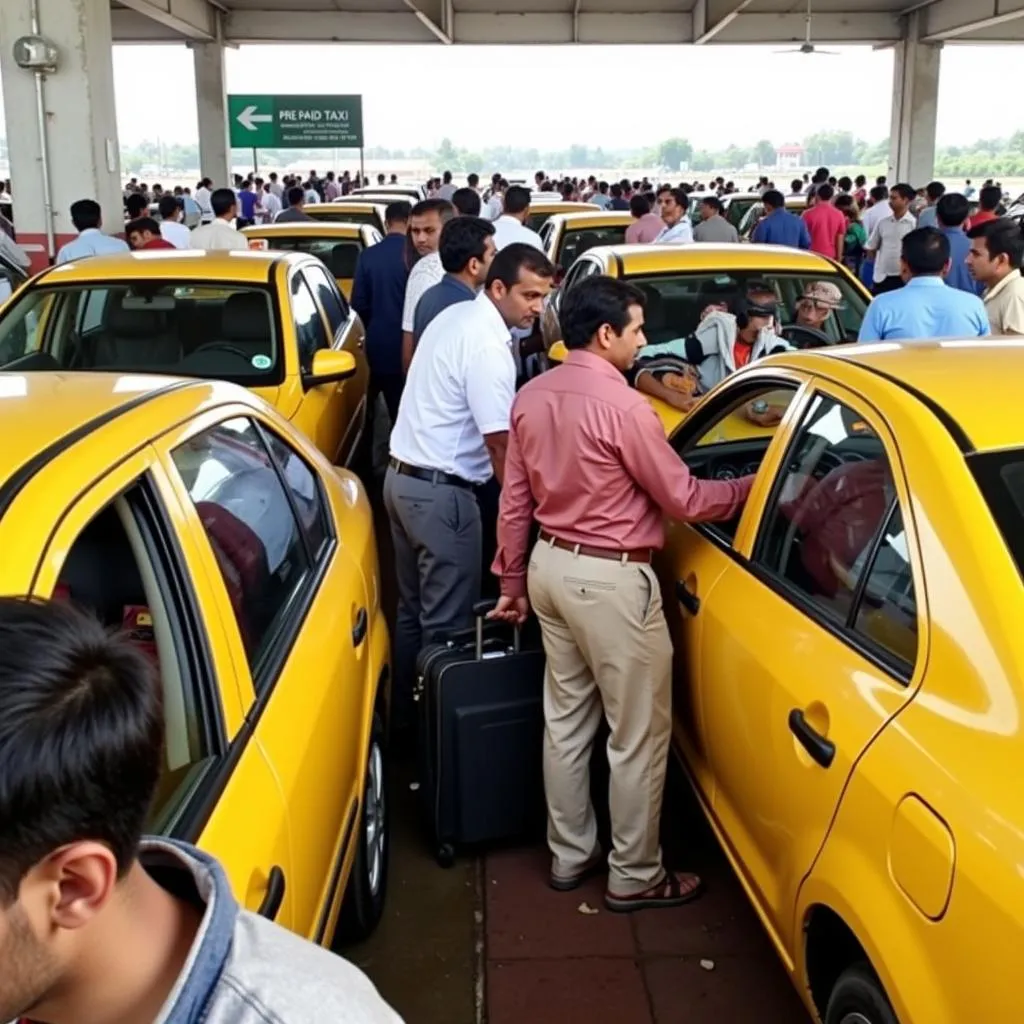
[[830, 502], [305, 492], [220, 331], [249, 521], [339, 256], [343, 215], [576, 243], [309, 324], [1000, 476], [330, 298]]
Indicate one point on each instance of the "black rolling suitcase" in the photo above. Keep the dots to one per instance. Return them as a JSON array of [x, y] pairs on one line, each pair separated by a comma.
[[481, 725]]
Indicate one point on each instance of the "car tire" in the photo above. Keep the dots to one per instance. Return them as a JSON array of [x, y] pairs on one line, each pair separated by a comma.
[[858, 998], [368, 883]]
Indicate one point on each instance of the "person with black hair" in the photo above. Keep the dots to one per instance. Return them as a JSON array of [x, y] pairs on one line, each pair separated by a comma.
[[511, 227], [144, 233], [927, 217], [994, 260], [448, 442], [778, 226], [221, 234], [172, 212], [426, 221], [87, 217], [647, 225], [950, 214], [675, 206], [885, 240], [447, 189], [618, 201], [713, 227], [295, 211], [924, 307], [136, 205], [98, 922], [467, 250], [990, 198], [467, 202], [600, 495]]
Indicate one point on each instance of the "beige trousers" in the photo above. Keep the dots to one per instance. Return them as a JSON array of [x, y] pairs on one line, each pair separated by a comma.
[[608, 647]]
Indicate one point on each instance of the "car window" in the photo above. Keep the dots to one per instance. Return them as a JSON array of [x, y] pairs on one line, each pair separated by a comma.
[[576, 243], [217, 331], [338, 255], [309, 324], [333, 302], [729, 438], [345, 215], [833, 496], [676, 302], [249, 521], [580, 272], [305, 492]]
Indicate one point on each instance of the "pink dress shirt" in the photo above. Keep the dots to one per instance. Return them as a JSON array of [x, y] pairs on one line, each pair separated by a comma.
[[645, 229], [587, 457]]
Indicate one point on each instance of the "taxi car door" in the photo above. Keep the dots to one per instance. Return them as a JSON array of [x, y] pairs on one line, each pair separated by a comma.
[[798, 670], [123, 549], [332, 415], [297, 604], [717, 442]]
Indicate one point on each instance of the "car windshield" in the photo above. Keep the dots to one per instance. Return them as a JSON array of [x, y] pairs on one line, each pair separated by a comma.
[[342, 215], [220, 331], [576, 243], [339, 255], [675, 303]]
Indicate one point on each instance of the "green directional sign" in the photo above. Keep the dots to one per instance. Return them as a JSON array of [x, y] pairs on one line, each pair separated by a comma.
[[296, 122]]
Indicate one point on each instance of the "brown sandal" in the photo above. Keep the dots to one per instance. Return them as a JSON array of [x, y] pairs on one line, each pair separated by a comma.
[[672, 891]]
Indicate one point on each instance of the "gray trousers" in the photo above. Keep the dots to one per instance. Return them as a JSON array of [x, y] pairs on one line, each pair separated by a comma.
[[437, 536]]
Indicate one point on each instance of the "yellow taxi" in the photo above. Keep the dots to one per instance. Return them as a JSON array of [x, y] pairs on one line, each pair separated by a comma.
[[567, 236], [542, 210], [350, 211], [192, 515], [336, 245], [849, 677], [274, 322], [681, 281]]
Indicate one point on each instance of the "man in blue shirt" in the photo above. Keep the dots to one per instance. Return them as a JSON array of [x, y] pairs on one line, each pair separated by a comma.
[[950, 213], [466, 250], [924, 307], [779, 226], [87, 217], [378, 293]]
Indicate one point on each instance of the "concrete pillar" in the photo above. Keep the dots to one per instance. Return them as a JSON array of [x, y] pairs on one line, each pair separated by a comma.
[[80, 120], [915, 103], [212, 105]]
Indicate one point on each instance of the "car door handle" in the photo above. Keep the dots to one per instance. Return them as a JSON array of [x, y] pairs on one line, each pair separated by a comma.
[[274, 896], [821, 749], [359, 629], [687, 598]]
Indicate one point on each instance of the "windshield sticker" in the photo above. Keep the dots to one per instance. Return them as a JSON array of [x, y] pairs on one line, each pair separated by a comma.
[[261, 362]]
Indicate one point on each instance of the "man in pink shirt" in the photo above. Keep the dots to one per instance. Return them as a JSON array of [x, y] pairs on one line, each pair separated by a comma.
[[599, 496], [646, 225], [826, 224]]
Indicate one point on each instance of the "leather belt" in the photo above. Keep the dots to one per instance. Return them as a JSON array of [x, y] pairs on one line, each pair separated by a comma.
[[431, 476], [640, 555]]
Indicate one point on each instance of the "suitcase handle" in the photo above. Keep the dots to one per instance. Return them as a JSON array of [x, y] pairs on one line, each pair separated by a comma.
[[481, 609]]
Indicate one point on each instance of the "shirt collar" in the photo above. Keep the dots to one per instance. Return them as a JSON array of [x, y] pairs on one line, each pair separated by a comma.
[[1014, 275], [452, 281], [494, 318], [926, 281], [589, 361]]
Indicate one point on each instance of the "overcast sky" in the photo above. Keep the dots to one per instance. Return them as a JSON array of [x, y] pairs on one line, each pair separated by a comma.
[[549, 96]]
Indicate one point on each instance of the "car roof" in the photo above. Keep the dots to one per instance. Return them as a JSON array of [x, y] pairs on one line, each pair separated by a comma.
[[317, 229], [362, 203], [707, 256], [972, 384], [243, 266], [594, 219]]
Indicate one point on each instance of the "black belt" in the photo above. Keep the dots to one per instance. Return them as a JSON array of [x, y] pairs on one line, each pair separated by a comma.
[[431, 476]]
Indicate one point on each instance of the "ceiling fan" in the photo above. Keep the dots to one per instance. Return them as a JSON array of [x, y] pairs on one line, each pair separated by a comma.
[[807, 46]]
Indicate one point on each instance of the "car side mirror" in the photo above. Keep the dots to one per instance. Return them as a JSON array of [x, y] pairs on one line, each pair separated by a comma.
[[329, 367]]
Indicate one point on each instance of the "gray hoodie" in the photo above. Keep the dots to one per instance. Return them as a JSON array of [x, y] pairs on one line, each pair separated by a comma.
[[710, 348]]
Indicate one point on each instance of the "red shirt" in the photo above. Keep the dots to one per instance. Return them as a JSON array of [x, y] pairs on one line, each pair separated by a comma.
[[587, 457], [981, 217], [741, 353], [157, 243], [826, 224]]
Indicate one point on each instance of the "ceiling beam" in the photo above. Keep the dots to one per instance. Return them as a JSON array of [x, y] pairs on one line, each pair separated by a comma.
[[951, 19], [429, 23], [868, 28], [709, 33], [191, 19]]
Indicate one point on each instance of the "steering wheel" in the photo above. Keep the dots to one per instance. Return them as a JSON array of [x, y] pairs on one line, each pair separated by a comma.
[[223, 346], [802, 336]]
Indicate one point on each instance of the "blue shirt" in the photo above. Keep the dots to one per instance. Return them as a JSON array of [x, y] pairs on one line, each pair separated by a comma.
[[378, 294], [781, 227], [959, 276], [924, 308], [247, 201], [448, 291], [91, 242], [928, 218]]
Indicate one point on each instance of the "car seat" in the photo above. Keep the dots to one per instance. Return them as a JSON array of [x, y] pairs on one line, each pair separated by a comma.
[[342, 260], [245, 323], [134, 339]]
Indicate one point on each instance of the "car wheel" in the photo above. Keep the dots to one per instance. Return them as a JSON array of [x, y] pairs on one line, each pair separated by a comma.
[[858, 998], [368, 883]]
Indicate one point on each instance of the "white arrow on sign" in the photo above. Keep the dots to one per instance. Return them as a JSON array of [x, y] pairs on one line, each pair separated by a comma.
[[249, 119]]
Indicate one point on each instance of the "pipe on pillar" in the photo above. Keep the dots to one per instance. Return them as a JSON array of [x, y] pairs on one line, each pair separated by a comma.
[[914, 105], [44, 146]]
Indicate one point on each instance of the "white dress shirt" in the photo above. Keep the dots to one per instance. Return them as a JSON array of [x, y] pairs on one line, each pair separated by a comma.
[[886, 241], [176, 233], [460, 388], [204, 197], [508, 229], [427, 272], [494, 208], [220, 235], [271, 207], [873, 214], [678, 234]]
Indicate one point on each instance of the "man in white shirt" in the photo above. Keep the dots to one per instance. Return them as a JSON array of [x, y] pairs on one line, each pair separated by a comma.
[[511, 225], [221, 234], [271, 205], [203, 196], [171, 228], [427, 219], [675, 207], [449, 440], [885, 243], [496, 201], [447, 190]]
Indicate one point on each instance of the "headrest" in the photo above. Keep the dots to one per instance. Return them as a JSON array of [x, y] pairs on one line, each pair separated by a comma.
[[245, 317], [135, 323], [343, 259]]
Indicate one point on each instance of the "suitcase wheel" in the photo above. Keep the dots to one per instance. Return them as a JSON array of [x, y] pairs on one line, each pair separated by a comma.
[[445, 855]]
